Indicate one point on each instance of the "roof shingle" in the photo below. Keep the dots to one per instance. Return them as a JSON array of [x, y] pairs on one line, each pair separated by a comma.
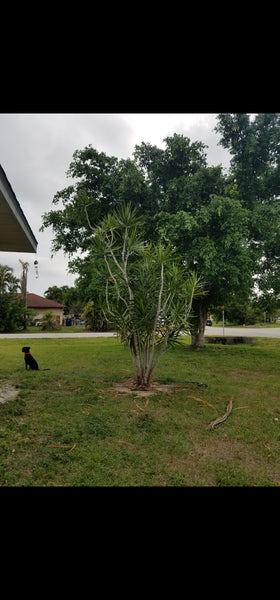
[[35, 301]]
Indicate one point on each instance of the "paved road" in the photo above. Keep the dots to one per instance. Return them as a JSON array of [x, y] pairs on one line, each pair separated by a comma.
[[273, 332], [27, 336]]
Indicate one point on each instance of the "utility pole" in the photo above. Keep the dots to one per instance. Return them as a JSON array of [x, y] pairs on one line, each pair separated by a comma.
[[25, 266], [223, 313]]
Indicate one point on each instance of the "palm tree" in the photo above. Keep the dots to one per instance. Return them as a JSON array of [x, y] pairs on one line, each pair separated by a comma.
[[25, 266], [10, 308], [8, 282]]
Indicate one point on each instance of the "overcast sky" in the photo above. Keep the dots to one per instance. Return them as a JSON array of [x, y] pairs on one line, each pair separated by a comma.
[[36, 151]]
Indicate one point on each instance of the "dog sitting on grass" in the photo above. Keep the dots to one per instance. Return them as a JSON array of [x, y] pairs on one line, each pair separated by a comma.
[[29, 359]]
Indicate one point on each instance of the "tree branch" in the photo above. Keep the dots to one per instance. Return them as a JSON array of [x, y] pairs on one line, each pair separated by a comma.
[[87, 217]]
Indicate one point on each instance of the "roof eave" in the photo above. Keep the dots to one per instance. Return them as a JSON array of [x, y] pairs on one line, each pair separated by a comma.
[[15, 233]]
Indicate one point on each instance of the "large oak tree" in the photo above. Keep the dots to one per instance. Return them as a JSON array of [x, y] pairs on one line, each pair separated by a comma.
[[224, 227], [254, 143]]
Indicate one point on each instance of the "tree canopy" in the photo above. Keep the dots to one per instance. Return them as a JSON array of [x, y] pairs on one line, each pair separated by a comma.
[[224, 226], [255, 168]]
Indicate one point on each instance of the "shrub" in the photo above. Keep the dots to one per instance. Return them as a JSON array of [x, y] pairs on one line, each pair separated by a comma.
[[49, 322]]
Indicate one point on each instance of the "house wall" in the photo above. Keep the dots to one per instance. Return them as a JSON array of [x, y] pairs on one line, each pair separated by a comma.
[[40, 312]]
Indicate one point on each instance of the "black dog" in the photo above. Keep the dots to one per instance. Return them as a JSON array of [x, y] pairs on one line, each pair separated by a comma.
[[29, 360]]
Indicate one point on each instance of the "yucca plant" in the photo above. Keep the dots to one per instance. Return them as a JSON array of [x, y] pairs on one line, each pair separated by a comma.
[[148, 292]]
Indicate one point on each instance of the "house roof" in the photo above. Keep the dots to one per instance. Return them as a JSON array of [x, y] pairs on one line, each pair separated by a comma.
[[34, 301], [15, 231]]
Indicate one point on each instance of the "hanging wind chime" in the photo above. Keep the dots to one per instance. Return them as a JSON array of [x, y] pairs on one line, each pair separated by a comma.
[[36, 269]]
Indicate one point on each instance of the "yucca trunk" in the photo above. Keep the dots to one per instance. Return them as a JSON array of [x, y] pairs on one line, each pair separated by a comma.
[[145, 357]]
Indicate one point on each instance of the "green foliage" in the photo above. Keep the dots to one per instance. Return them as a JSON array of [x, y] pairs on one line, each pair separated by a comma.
[[254, 145], [213, 241], [101, 183], [225, 227], [49, 322], [56, 293], [238, 313], [255, 167], [94, 317], [70, 297], [12, 313], [200, 214], [12, 307], [8, 282]]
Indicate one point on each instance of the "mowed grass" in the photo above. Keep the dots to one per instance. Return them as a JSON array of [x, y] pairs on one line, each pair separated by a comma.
[[68, 429]]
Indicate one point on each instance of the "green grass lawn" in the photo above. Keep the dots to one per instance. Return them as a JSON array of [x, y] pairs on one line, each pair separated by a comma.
[[75, 430]]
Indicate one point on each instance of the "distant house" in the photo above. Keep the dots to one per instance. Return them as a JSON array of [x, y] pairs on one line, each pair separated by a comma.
[[42, 305]]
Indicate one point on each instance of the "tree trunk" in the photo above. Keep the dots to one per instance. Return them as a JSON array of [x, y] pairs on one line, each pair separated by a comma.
[[198, 325]]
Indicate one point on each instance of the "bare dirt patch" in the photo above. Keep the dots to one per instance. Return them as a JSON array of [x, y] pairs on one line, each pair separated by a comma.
[[128, 387], [7, 392]]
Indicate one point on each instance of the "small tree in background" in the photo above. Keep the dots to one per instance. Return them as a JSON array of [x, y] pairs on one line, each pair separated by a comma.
[[148, 293], [94, 317]]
